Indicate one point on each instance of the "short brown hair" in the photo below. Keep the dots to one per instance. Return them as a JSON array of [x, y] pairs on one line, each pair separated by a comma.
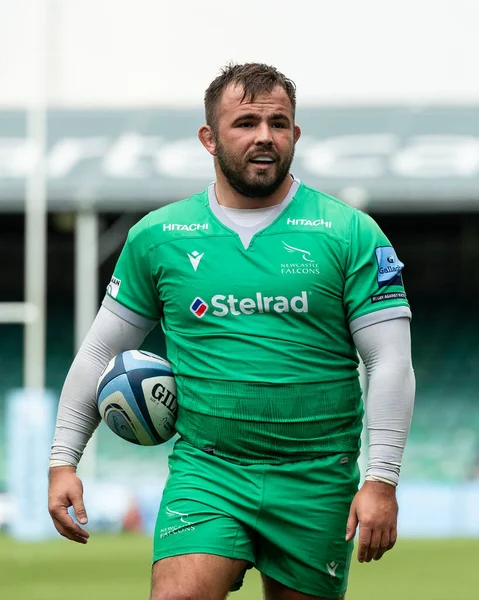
[[255, 78]]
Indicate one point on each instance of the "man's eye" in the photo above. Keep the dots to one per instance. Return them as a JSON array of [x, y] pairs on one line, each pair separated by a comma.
[[246, 125], [279, 126]]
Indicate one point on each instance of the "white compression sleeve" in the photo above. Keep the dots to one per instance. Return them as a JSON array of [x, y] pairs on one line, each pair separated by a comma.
[[385, 349], [78, 415]]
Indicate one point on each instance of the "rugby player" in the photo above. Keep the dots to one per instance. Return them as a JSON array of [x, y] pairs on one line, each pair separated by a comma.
[[266, 291]]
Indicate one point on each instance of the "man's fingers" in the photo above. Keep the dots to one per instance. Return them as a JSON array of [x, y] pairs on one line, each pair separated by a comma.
[[65, 491], [66, 526], [374, 545], [80, 512], [393, 534], [352, 524], [70, 527], [384, 545], [75, 498], [76, 535], [364, 542]]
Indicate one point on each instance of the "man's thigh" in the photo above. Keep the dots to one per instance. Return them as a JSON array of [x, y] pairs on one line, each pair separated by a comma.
[[302, 526], [195, 577], [204, 511]]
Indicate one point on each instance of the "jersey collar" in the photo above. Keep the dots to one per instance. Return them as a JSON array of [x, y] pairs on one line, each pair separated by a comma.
[[247, 233]]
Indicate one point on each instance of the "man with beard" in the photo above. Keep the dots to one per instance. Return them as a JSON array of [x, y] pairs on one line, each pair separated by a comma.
[[265, 290]]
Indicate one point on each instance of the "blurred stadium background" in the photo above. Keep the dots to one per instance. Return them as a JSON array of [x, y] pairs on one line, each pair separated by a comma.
[[112, 93]]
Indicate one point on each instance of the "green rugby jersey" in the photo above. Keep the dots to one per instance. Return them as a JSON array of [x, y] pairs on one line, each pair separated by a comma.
[[258, 320]]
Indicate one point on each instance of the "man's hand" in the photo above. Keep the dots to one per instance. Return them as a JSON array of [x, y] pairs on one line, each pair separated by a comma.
[[375, 508], [66, 489]]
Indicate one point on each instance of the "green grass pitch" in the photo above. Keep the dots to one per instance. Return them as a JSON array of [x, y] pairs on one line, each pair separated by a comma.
[[117, 568]]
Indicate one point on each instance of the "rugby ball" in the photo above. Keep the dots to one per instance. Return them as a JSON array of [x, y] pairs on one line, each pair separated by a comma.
[[136, 396]]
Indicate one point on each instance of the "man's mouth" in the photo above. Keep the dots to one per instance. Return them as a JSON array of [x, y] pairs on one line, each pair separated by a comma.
[[262, 159]]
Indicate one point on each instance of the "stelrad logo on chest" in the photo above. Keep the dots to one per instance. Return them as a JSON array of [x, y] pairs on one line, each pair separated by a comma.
[[230, 305]]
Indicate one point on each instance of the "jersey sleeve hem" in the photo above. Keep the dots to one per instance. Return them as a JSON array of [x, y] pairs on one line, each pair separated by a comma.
[[378, 316], [127, 314]]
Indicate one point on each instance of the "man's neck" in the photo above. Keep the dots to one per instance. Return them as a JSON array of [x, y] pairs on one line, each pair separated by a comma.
[[230, 198]]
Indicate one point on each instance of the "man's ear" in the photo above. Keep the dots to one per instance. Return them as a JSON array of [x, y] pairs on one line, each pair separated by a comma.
[[207, 138], [297, 133]]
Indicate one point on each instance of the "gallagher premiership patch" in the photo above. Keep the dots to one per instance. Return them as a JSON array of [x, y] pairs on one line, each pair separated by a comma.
[[389, 266]]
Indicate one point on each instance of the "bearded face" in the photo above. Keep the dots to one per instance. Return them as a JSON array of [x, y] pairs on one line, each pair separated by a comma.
[[259, 173], [253, 140]]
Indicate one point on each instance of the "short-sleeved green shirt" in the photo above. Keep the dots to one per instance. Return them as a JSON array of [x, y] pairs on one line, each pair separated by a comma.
[[258, 320]]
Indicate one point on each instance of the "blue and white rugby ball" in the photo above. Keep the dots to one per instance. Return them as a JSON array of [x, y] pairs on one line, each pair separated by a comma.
[[136, 397]]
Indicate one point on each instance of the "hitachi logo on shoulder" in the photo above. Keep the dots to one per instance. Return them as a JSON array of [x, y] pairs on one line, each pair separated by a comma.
[[182, 227], [259, 304], [309, 223]]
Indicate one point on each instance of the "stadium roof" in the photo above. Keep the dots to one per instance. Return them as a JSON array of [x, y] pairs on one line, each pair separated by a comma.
[[378, 158]]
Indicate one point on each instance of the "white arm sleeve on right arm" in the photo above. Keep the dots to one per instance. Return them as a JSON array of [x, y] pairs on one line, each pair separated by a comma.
[[78, 415]]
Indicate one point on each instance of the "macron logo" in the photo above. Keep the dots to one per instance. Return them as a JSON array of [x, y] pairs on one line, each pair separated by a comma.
[[332, 566], [195, 258]]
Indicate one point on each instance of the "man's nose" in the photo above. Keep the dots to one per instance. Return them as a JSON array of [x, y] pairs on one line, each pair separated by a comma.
[[264, 134]]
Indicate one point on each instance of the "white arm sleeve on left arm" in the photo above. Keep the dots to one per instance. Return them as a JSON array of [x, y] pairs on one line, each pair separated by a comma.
[[385, 349]]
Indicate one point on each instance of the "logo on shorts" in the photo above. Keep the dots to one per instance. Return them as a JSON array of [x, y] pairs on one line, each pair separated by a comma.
[[174, 513], [174, 529], [198, 307], [332, 566]]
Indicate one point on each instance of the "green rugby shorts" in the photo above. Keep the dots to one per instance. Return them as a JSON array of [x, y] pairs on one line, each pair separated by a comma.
[[287, 520]]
